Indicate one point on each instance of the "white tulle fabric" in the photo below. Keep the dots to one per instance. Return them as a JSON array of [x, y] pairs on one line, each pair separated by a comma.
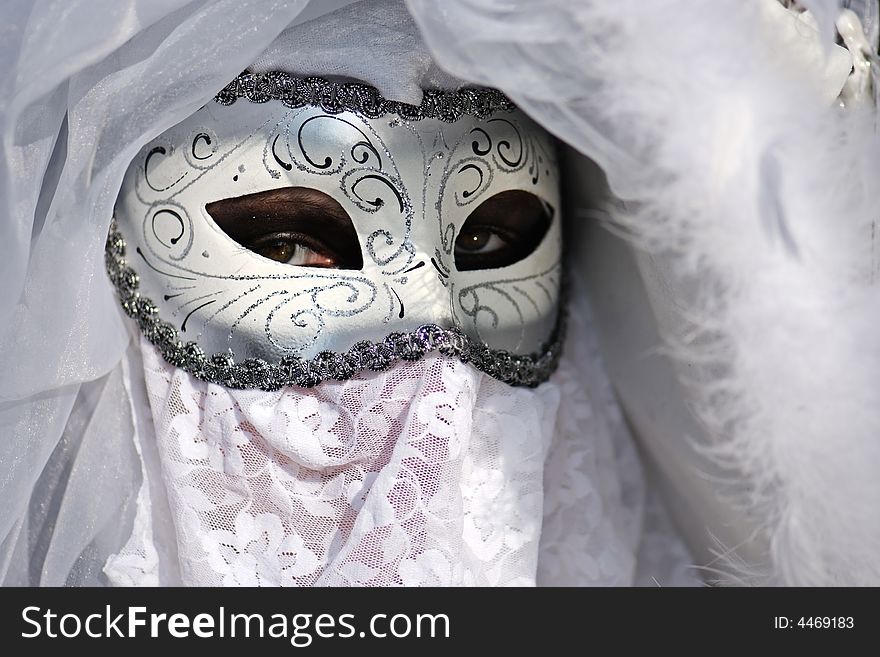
[[83, 469], [731, 168], [431, 473], [83, 85]]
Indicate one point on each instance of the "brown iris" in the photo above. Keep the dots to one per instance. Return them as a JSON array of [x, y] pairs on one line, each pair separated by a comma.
[[474, 240]]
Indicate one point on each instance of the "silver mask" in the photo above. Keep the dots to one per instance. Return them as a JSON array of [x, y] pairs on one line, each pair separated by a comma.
[[294, 238]]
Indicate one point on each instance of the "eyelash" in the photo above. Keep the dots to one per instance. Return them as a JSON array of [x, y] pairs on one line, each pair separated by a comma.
[[291, 236]]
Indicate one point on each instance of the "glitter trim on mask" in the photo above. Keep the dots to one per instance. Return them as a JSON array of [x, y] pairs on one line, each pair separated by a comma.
[[528, 370], [333, 98]]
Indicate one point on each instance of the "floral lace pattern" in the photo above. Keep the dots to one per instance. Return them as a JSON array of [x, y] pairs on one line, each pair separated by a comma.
[[431, 473]]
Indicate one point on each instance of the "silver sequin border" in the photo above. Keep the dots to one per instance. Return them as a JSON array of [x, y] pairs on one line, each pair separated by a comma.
[[255, 373], [336, 97]]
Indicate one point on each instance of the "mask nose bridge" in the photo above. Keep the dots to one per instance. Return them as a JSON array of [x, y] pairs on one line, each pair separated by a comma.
[[430, 286]]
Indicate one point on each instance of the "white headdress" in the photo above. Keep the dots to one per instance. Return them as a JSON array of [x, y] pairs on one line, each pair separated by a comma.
[[747, 189]]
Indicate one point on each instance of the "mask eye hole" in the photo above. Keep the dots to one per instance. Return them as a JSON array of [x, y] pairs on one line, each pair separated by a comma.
[[294, 225], [503, 230]]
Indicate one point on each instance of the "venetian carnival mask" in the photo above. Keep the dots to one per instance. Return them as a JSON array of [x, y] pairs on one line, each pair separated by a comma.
[[320, 230]]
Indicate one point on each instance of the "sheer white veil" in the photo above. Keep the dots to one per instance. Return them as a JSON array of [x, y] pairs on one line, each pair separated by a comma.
[[746, 364]]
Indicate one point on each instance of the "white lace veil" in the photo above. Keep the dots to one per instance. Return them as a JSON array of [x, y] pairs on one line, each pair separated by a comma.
[[762, 264]]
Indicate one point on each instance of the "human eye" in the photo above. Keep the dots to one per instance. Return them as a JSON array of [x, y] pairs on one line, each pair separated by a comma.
[[294, 249], [482, 239], [297, 226], [503, 230]]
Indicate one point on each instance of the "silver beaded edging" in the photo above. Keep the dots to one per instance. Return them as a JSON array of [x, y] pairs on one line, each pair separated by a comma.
[[528, 370], [336, 97]]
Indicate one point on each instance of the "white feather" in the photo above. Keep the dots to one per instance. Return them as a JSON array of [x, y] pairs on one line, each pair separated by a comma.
[[733, 165]]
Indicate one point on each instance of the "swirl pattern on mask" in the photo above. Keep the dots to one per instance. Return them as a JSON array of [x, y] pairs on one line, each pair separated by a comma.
[[390, 176]]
